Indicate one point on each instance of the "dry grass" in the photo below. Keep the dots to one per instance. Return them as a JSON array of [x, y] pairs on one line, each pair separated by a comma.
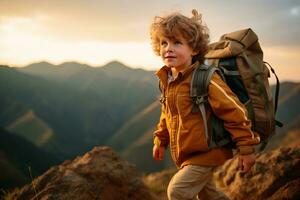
[[9, 194]]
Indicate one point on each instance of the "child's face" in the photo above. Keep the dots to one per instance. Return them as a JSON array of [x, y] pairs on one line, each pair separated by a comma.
[[176, 53]]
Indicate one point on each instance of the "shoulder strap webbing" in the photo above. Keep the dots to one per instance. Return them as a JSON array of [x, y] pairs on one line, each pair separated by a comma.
[[278, 123], [199, 91], [277, 85]]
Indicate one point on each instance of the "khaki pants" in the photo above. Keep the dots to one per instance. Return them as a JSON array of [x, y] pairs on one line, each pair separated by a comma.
[[194, 182]]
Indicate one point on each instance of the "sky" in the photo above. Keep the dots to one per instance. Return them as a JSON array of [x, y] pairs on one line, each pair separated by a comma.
[[96, 32]]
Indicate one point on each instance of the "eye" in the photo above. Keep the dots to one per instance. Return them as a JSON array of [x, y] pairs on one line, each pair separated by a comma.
[[177, 42], [163, 43]]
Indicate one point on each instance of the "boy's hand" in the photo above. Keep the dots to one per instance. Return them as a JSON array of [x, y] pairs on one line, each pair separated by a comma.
[[158, 152], [246, 162]]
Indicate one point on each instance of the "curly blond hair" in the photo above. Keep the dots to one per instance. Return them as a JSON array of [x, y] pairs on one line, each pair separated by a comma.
[[177, 25]]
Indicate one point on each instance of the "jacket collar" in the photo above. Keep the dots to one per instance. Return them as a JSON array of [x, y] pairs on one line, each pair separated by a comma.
[[162, 73]]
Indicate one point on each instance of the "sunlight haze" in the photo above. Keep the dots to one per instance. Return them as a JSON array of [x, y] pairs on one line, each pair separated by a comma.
[[97, 32]]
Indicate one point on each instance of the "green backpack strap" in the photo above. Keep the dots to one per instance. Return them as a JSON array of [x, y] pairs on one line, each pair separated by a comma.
[[199, 91], [278, 123]]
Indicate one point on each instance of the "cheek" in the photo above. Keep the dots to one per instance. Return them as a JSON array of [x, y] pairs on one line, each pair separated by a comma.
[[160, 51], [182, 54]]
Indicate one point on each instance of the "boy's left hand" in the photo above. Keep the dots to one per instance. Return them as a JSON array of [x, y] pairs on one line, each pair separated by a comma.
[[246, 162]]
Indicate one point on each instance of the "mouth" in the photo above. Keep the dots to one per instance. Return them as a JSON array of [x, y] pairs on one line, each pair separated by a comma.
[[166, 57]]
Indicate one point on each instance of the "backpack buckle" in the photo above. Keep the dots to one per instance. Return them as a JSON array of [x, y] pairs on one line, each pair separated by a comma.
[[197, 101], [200, 99], [162, 99]]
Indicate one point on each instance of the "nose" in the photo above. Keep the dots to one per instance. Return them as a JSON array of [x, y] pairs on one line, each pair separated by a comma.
[[169, 48]]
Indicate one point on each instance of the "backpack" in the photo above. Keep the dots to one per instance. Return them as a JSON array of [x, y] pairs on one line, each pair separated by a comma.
[[238, 58]]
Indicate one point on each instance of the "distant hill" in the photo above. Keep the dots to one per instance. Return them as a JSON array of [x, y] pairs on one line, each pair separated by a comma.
[[68, 109], [288, 106], [66, 70], [132, 129], [122, 85], [81, 110], [59, 106], [288, 112], [16, 156], [53, 72], [119, 70], [32, 128], [135, 140]]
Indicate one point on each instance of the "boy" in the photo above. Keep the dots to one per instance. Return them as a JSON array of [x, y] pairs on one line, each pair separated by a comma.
[[182, 42]]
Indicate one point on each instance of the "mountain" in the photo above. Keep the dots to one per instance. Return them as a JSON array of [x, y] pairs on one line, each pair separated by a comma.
[[122, 85], [17, 156], [67, 114], [53, 72], [32, 128], [288, 105], [65, 70], [80, 111], [68, 109], [143, 121], [288, 112], [98, 174], [134, 139], [119, 70], [59, 106]]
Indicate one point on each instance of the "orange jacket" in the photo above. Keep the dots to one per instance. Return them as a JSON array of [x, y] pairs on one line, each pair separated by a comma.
[[184, 129]]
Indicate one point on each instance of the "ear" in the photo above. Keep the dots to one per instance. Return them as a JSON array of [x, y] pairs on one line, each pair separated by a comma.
[[194, 53]]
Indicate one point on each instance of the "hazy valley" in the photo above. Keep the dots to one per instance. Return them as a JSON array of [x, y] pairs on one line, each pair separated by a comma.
[[49, 114]]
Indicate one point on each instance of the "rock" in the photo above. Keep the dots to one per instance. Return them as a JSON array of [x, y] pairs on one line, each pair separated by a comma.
[[275, 175], [99, 174], [158, 182]]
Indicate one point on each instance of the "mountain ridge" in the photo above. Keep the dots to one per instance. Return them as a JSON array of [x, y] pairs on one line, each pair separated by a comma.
[[86, 108]]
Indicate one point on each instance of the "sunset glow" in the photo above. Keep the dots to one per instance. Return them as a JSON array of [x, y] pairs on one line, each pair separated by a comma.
[[86, 32]]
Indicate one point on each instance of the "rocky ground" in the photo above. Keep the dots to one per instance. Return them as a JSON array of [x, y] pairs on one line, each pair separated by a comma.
[[275, 175], [99, 174], [102, 174]]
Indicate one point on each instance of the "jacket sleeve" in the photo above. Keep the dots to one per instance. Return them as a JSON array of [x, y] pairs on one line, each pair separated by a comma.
[[227, 107], [161, 135]]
